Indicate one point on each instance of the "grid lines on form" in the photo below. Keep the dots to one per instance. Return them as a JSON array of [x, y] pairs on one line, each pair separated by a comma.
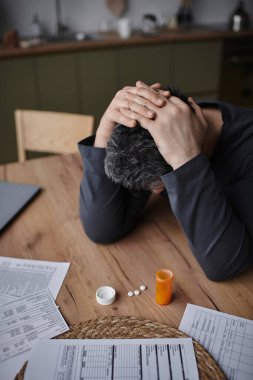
[[96, 362], [111, 362], [114, 359], [229, 341], [127, 362]]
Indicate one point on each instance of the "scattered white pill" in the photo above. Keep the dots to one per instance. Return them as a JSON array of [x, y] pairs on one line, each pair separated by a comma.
[[143, 287], [130, 294], [137, 292]]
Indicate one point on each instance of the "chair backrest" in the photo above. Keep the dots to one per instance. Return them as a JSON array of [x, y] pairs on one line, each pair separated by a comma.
[[52, 132]]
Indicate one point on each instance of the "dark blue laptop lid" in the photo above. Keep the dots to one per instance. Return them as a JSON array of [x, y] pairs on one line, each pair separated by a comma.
[[13, 198]]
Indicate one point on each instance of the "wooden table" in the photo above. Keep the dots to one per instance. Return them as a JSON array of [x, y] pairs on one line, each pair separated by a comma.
[[50, 229]]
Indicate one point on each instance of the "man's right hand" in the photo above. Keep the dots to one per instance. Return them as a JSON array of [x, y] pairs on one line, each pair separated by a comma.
[[114, 116]]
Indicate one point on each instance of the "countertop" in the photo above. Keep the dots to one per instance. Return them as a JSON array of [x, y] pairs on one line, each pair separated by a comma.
[[110, 40]]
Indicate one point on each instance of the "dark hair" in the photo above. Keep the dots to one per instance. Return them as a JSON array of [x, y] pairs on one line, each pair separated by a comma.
[[132, 157]]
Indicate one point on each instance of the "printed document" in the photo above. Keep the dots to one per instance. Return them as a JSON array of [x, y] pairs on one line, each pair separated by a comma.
[[32, 317], [21, 277], [227, 338], [117, 359]]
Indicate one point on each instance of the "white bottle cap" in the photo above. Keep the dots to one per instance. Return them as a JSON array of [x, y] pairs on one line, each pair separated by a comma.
[[105, 295]]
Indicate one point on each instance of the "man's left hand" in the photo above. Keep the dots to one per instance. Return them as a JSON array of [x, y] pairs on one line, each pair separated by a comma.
[[178, 132]]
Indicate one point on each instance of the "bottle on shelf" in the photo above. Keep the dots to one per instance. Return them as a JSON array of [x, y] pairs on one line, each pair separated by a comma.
[[36, 27], [240, 18], [184, 14]]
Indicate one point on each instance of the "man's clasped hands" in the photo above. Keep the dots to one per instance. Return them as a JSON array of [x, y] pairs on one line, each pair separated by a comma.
[[178, 130]]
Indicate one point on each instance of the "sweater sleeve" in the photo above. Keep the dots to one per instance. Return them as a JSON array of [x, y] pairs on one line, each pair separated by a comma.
[[218, 226], [107, 210]]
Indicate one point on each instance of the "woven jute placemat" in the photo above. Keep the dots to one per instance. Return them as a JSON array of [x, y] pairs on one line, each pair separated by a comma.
[[132, 328]]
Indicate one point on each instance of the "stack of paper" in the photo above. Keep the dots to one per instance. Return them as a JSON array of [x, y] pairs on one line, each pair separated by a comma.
[[116, 359], [19, 277], [28, 311], [227, 338]]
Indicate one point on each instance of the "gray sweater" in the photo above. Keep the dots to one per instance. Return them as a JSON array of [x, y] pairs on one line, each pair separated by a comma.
[[212, 199]]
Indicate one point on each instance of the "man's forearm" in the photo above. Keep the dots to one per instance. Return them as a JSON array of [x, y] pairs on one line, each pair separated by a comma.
[[107, 210], [104, 132], [218, 239]]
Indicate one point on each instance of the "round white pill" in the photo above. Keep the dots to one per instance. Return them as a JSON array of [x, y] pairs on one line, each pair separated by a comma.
[[143, 287], [130, 294], [137, 292]]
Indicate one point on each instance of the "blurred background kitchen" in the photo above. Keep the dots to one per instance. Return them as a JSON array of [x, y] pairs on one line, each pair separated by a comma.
[[73, 55]]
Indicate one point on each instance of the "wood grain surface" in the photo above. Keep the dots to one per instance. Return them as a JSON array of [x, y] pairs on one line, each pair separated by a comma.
[[50, 229]]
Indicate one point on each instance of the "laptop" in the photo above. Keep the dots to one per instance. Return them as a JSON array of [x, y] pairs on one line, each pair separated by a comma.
[[13, 198]]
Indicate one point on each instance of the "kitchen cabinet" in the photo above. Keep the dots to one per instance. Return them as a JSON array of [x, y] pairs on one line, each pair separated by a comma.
[[97, 73], [18, 90], [57, 82], [86, 81], [236, 84], [150, 64], [196, 66]]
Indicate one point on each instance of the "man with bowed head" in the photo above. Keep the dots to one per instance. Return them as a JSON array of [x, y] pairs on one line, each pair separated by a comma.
[[200, 156]]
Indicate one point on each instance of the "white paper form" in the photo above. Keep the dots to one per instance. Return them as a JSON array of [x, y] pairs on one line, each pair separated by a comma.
[[29, 318], [114, 359], [21, 277], [227, 338], [10, 367]]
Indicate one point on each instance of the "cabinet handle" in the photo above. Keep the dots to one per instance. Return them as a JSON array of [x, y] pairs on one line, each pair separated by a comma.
[[238, 60]]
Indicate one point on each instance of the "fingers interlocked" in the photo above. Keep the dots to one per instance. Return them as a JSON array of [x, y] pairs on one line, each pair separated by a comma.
[[142, 101]]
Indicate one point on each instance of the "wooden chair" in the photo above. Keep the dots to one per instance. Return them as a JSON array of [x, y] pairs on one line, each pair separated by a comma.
[[52, 132]]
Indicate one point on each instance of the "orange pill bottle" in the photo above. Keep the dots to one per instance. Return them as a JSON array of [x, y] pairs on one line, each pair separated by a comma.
[[164, 279]]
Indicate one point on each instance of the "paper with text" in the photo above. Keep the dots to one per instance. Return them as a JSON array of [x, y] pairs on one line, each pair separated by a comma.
[[27, 319], [117, 359], [21, 277], [227, 338]]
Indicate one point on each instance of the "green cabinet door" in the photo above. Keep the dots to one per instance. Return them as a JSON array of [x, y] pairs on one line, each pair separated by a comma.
[[97, 75], [196, 66], [86, 82], [57, 82], [147, 63], [17, 86]]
